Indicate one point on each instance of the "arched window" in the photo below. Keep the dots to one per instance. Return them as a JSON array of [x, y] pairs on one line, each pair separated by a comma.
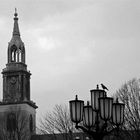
[[31, 123], [19, 54], [11, 122], [13, 56], [13, 53]]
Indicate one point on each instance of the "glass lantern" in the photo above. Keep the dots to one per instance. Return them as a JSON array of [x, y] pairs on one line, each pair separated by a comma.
[[105, 104], [89, 116], [76, 110]]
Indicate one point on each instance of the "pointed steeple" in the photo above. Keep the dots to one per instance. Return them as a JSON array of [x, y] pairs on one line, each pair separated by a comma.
[[16, 27], [16, 50]]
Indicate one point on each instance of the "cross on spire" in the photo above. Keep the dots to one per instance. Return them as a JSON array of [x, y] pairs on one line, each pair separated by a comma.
[[15, 12]]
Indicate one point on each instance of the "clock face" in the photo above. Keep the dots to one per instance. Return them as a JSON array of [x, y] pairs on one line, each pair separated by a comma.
[[13, 80]]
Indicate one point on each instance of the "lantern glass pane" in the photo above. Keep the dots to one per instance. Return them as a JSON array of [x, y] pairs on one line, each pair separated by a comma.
[[73, 113], [118, 113], [101, 108], [110, 108], [85, 117], [78, 111], [106, 110]]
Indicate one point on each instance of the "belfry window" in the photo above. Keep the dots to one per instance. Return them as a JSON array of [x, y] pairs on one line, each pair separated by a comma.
[[13, 56], [13, 53], [16, 55], [19, 54]]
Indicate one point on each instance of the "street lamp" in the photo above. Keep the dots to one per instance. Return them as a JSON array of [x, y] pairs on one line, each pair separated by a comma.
[[100, 118]]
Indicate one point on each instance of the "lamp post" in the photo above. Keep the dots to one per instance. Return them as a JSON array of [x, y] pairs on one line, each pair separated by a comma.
[[100, 118]]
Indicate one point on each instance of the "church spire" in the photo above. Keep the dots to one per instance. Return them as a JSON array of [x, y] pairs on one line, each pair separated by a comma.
[[16, 50], [16, 27]]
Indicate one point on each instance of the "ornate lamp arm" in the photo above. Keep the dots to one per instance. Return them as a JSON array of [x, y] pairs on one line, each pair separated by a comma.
[[108, 132], [96, 135]]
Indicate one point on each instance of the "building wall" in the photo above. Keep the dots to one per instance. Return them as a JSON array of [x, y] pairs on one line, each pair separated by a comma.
[[25, 125]]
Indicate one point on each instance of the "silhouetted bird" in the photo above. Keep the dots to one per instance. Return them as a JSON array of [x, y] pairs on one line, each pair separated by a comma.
[[104, 87]]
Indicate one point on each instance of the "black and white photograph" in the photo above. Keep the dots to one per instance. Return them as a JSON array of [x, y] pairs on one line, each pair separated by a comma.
[[70, 69]]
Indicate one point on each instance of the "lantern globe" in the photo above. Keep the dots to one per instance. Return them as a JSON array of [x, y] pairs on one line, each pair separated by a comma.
[[105, 108], [95, 95], [76, 110], [118, 113], [89, 116]]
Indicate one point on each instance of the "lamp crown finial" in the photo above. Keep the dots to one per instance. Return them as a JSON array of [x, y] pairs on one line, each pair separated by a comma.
[[117, 100], [97, 87], [76, 97]]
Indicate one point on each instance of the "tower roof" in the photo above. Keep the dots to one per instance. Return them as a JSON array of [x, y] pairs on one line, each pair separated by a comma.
[[16, 27], [16, 40]]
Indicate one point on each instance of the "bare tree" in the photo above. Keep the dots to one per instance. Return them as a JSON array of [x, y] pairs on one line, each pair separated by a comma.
[[129, 94], [57, 121]]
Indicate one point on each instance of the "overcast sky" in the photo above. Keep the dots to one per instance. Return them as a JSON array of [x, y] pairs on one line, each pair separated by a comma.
[[72, 45]]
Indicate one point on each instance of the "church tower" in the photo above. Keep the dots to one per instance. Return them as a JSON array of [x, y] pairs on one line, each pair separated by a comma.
[[16, 78], [16, 90]]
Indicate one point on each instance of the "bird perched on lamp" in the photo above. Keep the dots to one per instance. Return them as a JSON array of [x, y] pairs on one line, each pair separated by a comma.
[[104, 87]]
